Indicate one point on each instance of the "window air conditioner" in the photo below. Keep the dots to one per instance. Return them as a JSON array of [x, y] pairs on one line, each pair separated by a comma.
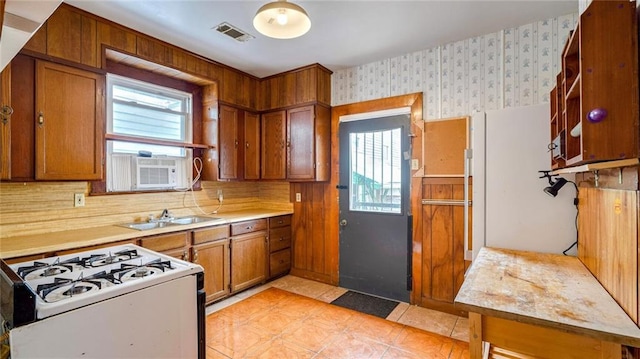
[[133, 173]]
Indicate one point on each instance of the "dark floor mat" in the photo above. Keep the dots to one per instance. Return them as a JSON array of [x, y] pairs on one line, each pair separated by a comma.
[[366, 304]]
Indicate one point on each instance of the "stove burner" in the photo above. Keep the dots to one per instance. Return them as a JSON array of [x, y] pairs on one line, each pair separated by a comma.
[[63, 288], [129, 272], [97, 260], [40, 269], [76, 289]]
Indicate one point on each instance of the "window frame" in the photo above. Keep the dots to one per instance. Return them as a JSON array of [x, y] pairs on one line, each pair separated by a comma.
[[115, 79]]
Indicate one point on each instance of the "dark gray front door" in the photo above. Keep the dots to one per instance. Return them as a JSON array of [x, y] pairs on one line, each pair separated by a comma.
[[374, 207]]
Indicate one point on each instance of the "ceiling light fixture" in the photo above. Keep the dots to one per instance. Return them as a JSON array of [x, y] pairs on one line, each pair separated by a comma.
[[282, 20]]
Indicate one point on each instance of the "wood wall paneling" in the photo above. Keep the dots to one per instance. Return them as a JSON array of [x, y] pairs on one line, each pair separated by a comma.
[[114, 37], [608, 242], [315, 253], [442, 261], [315, 219]]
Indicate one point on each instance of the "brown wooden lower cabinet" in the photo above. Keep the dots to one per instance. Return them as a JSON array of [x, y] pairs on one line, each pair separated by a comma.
[[443, 264], [214, 259], [248, 260], [172, 244], [279, 246]]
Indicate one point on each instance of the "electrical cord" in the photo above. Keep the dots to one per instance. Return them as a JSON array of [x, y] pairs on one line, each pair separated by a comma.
[[197, 164], [575, 203]]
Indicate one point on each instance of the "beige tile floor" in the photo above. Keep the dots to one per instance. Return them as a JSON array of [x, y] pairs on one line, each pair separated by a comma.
[[278, 324], [444, 324]]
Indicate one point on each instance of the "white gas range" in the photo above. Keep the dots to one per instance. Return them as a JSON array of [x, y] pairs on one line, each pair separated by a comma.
[[121, 301]]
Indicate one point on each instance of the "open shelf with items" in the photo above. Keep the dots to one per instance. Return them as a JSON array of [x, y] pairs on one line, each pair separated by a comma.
[[557, 145], [594, 115]]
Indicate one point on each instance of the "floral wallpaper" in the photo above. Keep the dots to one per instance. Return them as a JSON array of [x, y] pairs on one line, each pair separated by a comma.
[[510, 68]]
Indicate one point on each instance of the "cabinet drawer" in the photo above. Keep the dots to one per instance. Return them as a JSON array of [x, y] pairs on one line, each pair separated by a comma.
[[210, 234], [165, 242], [279, 262], [280, 221], [248, 226], [279, 239]]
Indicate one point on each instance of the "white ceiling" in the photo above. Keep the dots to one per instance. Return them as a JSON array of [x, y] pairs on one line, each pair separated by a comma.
[[343, 33]]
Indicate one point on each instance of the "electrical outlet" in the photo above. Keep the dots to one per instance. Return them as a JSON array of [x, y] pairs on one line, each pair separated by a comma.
[[415, 164], [78, 200], [298, 197]]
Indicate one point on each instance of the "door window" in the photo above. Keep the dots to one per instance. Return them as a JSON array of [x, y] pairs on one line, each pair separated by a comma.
[[375, 163]]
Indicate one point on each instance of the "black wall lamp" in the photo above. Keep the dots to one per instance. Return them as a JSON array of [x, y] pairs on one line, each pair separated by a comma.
[[555, 186]]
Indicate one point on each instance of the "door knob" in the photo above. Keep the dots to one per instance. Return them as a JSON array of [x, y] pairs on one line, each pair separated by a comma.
[[343, 223]]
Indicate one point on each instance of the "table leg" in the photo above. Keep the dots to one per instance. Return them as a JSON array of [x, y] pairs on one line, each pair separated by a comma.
[[475, 335]]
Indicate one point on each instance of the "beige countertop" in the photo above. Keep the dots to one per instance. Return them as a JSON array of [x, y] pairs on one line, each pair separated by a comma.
[[57, 241], [548, 290]]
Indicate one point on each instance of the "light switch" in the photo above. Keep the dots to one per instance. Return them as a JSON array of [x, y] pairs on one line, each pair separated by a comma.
[[414, 164]]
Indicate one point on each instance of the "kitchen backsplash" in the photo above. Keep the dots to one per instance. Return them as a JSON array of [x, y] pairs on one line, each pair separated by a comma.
[[42, 207], [509, 68]]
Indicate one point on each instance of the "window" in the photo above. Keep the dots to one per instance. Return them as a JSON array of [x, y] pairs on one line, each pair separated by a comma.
[[145, 119], [376, 171]]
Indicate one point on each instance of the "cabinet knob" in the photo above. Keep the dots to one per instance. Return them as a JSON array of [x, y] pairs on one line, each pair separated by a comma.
[[5, 113], [249, 228], [195, 255], [280, 222], [236, 143], [247, 144], [281, 239], [40, 118], [185, 255]]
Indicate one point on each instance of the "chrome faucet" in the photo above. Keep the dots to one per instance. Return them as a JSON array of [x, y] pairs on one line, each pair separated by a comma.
[[165, 216]]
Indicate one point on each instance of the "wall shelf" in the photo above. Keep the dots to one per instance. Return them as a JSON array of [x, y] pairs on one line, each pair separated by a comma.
[[598, 166]]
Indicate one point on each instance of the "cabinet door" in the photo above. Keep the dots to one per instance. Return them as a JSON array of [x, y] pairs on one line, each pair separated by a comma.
[[273, 145], [69, 123], [214, 259], [301, 143], [248, 260], [444, 145], [165, 242], [72, 36], [251, 146], [5, 123], [228, 129]]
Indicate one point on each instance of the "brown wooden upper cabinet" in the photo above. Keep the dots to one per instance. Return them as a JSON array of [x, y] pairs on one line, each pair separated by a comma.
[[273, 144], [303, 86], [5, 123], [57, 124], [595, 116], [239, 141], [69, 123], [296, 145]]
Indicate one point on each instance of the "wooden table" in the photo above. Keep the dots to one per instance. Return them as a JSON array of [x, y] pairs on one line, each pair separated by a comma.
[[541, 305]]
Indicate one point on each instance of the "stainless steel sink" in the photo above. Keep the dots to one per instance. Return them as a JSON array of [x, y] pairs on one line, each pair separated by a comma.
[[192, 220], [144, 226]]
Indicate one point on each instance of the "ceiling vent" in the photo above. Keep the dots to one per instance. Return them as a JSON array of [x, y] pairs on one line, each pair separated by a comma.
[[233, 32]]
